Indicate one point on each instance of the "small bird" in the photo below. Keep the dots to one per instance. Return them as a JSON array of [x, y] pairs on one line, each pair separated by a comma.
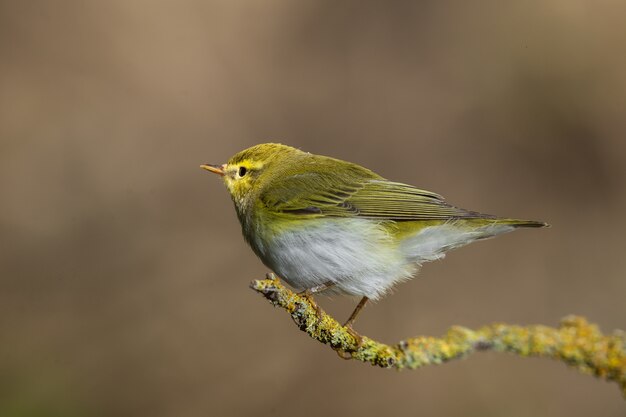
[[329, 226]]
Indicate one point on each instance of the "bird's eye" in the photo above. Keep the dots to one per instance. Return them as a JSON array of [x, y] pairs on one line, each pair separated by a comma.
[[242, 171]]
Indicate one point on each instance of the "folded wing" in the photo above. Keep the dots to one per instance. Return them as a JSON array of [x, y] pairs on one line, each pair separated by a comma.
[[353, 191]]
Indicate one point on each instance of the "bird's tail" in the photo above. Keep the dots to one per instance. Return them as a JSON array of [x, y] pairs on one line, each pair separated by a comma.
[[432, 242], [521, 223]]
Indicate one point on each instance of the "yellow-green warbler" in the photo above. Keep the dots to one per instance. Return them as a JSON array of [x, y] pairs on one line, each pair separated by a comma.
[[326, 225]]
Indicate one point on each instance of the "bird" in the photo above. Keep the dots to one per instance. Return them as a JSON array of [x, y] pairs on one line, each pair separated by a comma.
[[328, 226]]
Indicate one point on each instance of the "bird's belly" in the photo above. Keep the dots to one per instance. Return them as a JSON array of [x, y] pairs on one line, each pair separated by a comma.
[[357, 255]]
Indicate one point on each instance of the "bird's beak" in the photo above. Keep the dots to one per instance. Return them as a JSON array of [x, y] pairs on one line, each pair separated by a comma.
[[216, 169]]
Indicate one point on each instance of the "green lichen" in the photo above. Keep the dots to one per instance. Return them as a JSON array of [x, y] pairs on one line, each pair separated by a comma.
[[576, 342]]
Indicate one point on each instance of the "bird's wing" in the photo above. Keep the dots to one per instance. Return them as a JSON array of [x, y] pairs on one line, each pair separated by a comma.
[[322, 194], [386, 200]]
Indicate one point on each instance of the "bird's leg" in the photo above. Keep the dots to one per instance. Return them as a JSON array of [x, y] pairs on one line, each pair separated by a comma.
[[320, 288], [308, 294], [356, 312], [352, 318]]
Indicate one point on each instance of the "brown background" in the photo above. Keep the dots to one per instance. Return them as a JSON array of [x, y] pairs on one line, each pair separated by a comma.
[[123, 273]]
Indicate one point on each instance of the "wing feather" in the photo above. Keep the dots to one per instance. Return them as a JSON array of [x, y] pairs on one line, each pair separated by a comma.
[[350, 190]]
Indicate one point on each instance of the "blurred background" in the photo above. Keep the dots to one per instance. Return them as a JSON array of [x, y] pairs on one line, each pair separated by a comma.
[[124, 277]]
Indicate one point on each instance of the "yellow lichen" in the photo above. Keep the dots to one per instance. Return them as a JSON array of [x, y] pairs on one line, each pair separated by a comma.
[[576, 342]]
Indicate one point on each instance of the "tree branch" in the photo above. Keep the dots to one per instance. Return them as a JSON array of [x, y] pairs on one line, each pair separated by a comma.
[[576, 342]]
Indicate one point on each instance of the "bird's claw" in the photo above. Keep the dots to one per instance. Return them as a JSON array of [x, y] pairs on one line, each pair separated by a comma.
[[358, 339], [308, 294]]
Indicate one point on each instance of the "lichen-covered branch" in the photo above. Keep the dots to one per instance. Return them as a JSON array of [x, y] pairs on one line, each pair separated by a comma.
[[576, 342]]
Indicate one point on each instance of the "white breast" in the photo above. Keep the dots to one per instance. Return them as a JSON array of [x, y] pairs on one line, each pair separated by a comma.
[[358, 255]]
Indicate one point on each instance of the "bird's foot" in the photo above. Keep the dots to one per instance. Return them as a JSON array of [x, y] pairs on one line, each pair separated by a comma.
[[358, 339], [308, 294]]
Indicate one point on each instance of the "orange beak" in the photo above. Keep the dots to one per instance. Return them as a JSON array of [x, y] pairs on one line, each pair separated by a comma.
[[216, 169]]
